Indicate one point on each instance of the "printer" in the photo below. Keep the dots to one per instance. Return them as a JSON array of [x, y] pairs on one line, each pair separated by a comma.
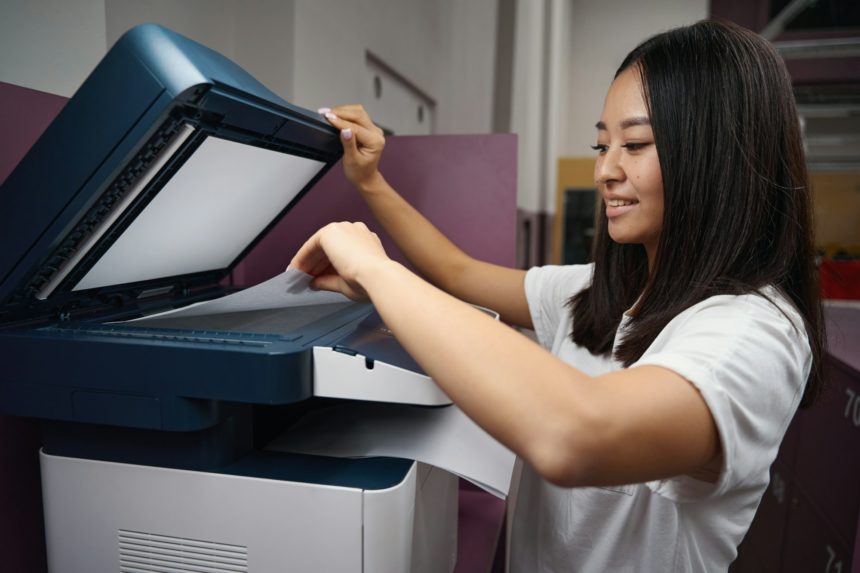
[[162, 172]]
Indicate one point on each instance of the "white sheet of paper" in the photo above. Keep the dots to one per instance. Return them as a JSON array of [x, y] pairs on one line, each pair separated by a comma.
[[443, 437], [288, 289]]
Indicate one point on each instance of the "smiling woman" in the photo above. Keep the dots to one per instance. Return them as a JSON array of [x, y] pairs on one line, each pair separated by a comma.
[[735, 200], [668, 370], [627, 171]]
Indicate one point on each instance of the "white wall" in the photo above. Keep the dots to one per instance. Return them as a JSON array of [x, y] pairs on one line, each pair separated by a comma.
[[50, 45], [466, 83], [256, 34], [444, 48], [601, 34], [528, 101], [311, 52], [566, 54]]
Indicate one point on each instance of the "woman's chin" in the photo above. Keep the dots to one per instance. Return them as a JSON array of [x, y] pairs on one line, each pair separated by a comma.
[[622, 238]]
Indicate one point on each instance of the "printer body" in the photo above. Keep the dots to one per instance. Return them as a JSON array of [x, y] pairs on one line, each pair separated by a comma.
[[168, 166]]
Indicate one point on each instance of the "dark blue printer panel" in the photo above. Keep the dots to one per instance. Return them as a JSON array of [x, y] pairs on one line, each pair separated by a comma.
[[65, 356], [156, 378]]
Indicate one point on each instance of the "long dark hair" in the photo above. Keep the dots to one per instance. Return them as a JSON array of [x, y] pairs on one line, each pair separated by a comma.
[[737, 204]]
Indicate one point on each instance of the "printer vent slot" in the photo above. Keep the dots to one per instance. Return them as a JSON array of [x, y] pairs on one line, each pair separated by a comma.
[[141, 552]]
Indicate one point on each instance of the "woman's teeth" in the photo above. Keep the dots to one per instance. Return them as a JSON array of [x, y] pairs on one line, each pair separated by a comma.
[[619, 202]]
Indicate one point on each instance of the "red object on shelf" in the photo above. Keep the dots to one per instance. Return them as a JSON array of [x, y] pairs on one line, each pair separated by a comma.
[[840, 279]]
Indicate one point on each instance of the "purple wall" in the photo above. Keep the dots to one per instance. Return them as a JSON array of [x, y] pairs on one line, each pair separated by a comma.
[[465, 184], [24, 115]]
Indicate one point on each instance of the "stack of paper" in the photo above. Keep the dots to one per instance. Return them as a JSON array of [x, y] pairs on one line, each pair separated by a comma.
[[443, 437]]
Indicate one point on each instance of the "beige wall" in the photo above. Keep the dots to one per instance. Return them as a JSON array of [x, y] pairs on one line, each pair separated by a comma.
[[573, 172], [837, 211]]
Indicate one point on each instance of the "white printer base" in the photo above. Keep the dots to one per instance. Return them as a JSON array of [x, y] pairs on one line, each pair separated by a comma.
[[104, 517]]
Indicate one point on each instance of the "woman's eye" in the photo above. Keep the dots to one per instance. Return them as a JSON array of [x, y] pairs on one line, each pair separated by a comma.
[[600, 148], [634, 146]]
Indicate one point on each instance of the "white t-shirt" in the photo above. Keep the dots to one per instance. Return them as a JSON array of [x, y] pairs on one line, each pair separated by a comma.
[[750, 364]]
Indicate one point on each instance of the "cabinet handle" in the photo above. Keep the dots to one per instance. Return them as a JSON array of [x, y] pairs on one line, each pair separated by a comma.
[[852, 407], [834, 565]]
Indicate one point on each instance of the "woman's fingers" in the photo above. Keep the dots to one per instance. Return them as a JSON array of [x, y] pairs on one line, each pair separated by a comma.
[[356, 113], [356, 138], [362, 143], [335, 283], [353, 114], [309, 255], [341, 249], [349, 141], [357, 133], [311, 259], [334, 254], [329, 282]]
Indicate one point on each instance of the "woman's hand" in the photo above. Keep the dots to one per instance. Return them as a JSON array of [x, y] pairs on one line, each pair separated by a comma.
[[338, 256], [362, 144]]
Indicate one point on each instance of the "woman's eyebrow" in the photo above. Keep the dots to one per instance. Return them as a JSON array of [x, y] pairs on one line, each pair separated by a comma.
[[630, 122], [635, 121]]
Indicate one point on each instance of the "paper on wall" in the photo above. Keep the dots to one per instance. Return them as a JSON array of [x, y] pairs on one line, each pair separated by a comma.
[[440, 436]]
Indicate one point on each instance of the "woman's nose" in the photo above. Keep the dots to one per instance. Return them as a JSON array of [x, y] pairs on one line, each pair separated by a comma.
[[608, 168]]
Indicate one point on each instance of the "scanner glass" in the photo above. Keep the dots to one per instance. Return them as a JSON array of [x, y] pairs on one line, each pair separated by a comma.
[[192, 225]]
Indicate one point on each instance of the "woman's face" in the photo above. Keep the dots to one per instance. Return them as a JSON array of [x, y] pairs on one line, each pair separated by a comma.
[[627, 172]]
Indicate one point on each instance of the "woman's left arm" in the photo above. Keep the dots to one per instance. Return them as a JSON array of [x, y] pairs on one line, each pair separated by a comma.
[[629, 426]]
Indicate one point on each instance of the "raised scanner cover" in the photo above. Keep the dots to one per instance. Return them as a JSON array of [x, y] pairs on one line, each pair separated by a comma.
[[191, 225]]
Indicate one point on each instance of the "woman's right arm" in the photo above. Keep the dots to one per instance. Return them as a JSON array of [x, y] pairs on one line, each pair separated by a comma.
[[433, 254]]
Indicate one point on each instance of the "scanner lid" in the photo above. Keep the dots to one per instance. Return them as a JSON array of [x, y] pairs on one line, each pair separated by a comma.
[[165, 168]]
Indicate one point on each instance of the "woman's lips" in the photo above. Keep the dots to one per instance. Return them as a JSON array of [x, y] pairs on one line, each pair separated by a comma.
[[617, 207]]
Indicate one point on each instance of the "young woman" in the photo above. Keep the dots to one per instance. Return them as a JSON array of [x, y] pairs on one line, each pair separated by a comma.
[[669, 369]]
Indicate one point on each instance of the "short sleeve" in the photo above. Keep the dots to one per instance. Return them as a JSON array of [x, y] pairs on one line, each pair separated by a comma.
[[750, 363], [547, 290]]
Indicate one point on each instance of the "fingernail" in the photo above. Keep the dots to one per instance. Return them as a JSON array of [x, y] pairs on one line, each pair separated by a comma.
[[330, 115], [323, 110], [346, 133]]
